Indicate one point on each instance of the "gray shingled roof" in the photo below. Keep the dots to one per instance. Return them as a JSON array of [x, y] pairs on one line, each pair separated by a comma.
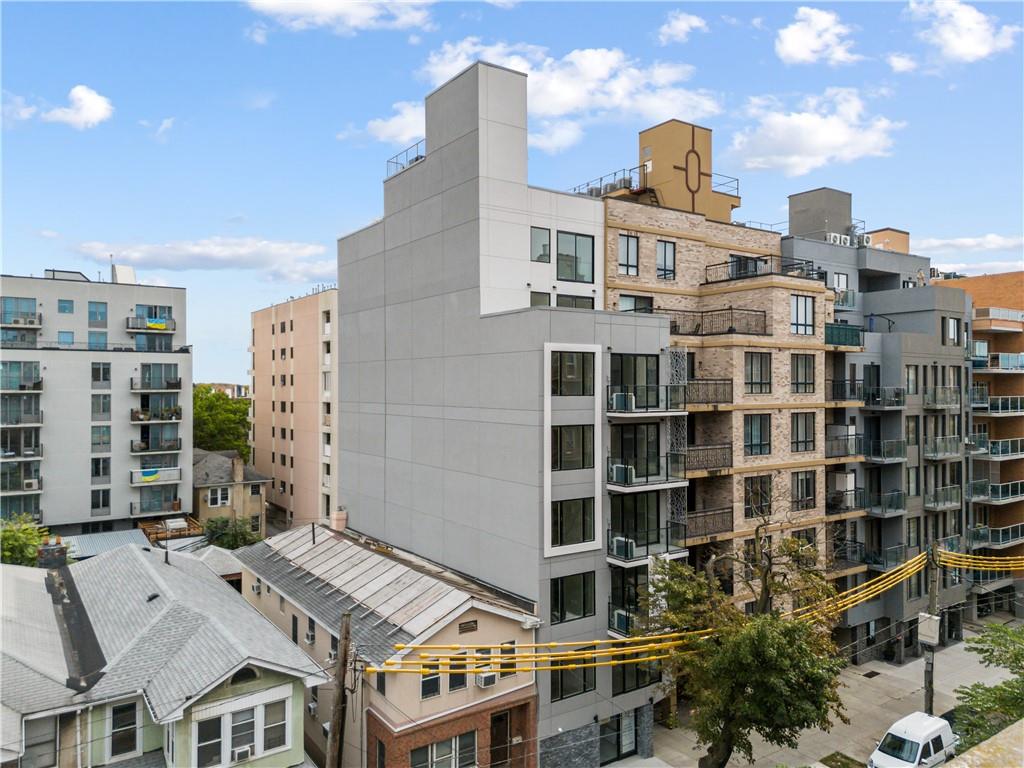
[[219, 560], [214, 468]]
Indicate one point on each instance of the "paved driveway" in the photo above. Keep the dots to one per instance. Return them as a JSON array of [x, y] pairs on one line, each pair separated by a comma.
[[872, 704]]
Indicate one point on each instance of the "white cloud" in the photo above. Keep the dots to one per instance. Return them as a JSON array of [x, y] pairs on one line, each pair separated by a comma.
[[345, 17], [280, 260], [815, 34], [966, 245], [678, 26], [757, 22], [503, 4], [16, 109], [555, 135], [978, 267], [405, 126], [831, 128], [732, 21], [257, 100], [960, 32], [257, 33], [901, 62], [86, 109], [163, 129], [49, 234]]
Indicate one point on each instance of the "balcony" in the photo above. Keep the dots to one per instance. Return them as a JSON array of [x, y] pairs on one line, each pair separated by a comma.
[[149, 384], [718, 322], [885, 398], [21, 320], [844, 445], [978, 350], [708, 522], [13, 484], [163, 415], [156, 445], [641, 400], [1003, 362], [887, 504], [622, 619], [841, 390], [978, 490], [12, 384], [632, 548], [844, 335], [979, 396], [1006, 493], [941, 448], [845, 555], [1012, 405], [941, 397], [996, 538], [885, 451], [978, 444], [890, 557], [19, 419], [988, 581], [1003, 450], [21, 452], [846, 301], [708, 391], [155, 476], [840, 502], [158, 507], [940, 499], [708, 457], [150, 324], [759, 266], [644, 473]]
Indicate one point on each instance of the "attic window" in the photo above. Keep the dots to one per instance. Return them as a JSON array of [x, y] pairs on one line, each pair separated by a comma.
[[467, 626], [244, 675]]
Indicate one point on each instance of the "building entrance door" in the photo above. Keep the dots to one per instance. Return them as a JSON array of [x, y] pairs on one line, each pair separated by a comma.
[[499, 738]]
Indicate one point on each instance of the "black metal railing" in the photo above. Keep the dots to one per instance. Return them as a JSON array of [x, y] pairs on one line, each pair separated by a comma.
[[885, 397], [147, 384], [708, 456], [645, 397], [140, 415], [21, 318], [708, 522], [708, 391], [629, 546], [49, 344], [156, 324], [837, 446], [165, 445], [837, 502], [844, 389], [622, 619], [405, 158], [632, 179], [746, 267], [716, 322], [646, 470]]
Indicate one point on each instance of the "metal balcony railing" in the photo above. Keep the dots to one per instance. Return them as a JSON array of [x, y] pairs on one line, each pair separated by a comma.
[[632, 179], [155, 324], [978, 490], [944, 447], [708, 456], [717, 322], [24, 319], [634, 471], [92, 346], [1006, 361], [156, 445], [142, 415], [758, 266], [979, 395], [888, 558], [632, 546], [837, 502], [885, 450], [150, 384], [843, 335], [885, 397], [844, 389], [986, 577], [20, 418], [1005, 449], [19, 384], [645, 398], [1011, 405], [157, 507], [984, 536], [405, 158], [887, 504], [155, 475], [22, 452], [622, 619], [947, 497], [1004, 492], [708, 522], [941, 397], [708, 391], [844, 445]]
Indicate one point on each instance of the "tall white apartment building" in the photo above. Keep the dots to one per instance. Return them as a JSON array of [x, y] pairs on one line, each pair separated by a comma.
[[96, 381]]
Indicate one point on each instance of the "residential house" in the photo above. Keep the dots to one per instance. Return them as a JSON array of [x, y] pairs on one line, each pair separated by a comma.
[[225, 486]]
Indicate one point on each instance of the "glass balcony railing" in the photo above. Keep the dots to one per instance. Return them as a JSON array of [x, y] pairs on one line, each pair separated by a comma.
[[708, 391], [885, 450], [885, 397], [19, 384], [979, 395], [987, 577], [18, 483], [708, 522], [15, 451], [887, 504], [23, 319], [843, 335], [846, 300], [1012, 405], [941, 397], [1006, 361], [978, 350], [984, 536], [1002, 493], [846, 554], [843, 389], [889, 557], [646, 398], [638, 471], [718, 322], [633, 546], [151, 384], [978, 490], [844, 445], [622, 619], [838, 502], [948, 497], [1009, 448], [155, 475], [700, 457], [156, 445], [945, 447], [11, 418], [978, 443]]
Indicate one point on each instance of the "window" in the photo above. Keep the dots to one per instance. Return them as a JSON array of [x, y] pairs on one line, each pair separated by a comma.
[[574, 302], [40, 743], [101, 469], [220, 497], [757, 434], [840, 281], [101, 375], [430, 684], [97, 314], [254, 489], [507, 651], [572, 522], [458, 752], [635, 516], [457, 675], [275, 725], [124, 729], [802, 373], [65, 338], [571, 682], [952, 330], [97, 339], [913, 430], [801, 321], [757, 496], [540, 299], [641, 304], [572, 373], [208, 742], [914, 586], [245, 674], [666, 260], [632, 677], [65, 306], [381, 755], [575, 257], [572, 447], [629, 260], [540, 244], [803, 493], [100, 437], [801, 432], [913, 486], [280, 603], [913, 531], [912, 380], [101, 407], [757, 373], [243, 729], [572, 597], [807, 537], [311, 629]]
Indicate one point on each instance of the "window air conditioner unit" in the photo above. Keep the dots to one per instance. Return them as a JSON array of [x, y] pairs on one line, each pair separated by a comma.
[[486, 679], [310, 638], [620, 619], [311, 708], [865, 239], [241, 754], [31, 485], [257, 589], [623, 401], [623, 474], [623, 547], [833, 238]]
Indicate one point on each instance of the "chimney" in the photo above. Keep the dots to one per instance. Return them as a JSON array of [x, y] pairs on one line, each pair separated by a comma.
[[52, 554], [339, 519], [237, 469]]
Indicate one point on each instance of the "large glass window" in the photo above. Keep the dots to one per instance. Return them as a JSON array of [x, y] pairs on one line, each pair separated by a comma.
[[243, 729], [572, 373], [66, 338], [65, 306], [572, 597], [913, 531], [757, 373], [574, 302], [803, 491], [636, 375], [572, 447], [456, 677], [572, 522], [457, 752], [16, 309], [101, 407], [802, 432], [911, 379], [540, 299], [801, 315], [540, 244], [802, 374], [40, 743], [153, 342], [641, 304], [100, 437], [101, 375], [571, 682], [97, 314], [757, 434], [757, 496], [208, 742], [430, 683], [635, 516], [97, 340], [629, 259], [575, 257], [666, 260], [124, 729], [632, 677], [913, 432]]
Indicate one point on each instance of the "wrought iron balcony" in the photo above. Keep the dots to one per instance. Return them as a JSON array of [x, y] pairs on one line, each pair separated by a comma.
[[844, 445], [640, 472], [634, 547], [844, 335], [759, 266], [645, 398], [838, 502], [1010, 448], [844, 389], [941, 397], [718, 322], [708, 391], [708, 522], [156, 384], [1004, 493], [887, 504], [885, 451], [939, 448], [151, 324], [947, 497], [881, 398], [699, 457]]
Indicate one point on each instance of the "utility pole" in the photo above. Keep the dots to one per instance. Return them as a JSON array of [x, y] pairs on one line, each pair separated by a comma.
[[336, 736], [933, 609]]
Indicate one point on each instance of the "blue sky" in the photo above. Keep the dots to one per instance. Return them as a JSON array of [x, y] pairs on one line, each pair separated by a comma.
[[224, 147]]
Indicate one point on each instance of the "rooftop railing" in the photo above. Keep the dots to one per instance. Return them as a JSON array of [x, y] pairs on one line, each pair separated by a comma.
[[716, 322], [405, 158], [759, 266], [633, 179]]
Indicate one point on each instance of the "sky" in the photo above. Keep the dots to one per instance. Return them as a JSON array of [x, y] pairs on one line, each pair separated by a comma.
[[225, 146]]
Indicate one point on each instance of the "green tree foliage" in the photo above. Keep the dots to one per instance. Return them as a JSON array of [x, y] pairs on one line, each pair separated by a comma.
[[219, 423], [229, 534], [984, 710], [20, 538]]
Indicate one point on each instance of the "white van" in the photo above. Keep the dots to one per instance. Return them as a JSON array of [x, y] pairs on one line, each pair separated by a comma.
[[917, 739]]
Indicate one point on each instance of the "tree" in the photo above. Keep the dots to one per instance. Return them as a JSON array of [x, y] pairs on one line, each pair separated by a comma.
[[219, 423], [20, 539], [229, 534], [984, 710]]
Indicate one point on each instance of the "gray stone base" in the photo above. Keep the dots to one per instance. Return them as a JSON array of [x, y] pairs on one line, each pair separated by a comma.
[[578, 748], [645, 730]]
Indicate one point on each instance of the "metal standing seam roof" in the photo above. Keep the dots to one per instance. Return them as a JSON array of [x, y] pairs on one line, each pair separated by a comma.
[[92, 544]]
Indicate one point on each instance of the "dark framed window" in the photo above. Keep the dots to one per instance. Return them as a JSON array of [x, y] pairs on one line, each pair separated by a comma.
[[641, 304], [572, 447], [572, 682], [632, 677], [572, 373], [575, 257], [572, 597], [913, 431], [574, 302], [457, 675], [801, 321], [666, 260], [808, 537], [572, 522], [801, 432], [757, 373], [911, 379], [757, 496], [635, 516], [803, 490], [757, 434], [430, 683], [629, 255], [802, 374], [540, 244], [540, 299], [507, 651], [382, 755]]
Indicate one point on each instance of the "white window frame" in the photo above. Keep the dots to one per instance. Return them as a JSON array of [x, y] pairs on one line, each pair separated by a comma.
[[223, 495], [109, 740], [224, 710], [55, 741]]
